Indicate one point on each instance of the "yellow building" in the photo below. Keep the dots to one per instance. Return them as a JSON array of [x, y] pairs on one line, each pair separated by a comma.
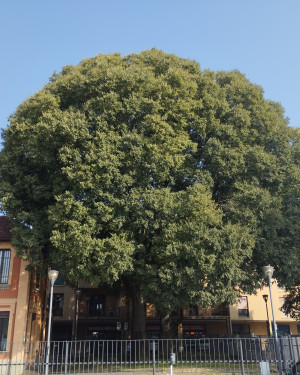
[[250, 314]]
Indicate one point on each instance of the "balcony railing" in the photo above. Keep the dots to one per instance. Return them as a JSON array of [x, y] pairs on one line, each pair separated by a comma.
[[108, 312], [206, 313], [243, 312], [194, 312]]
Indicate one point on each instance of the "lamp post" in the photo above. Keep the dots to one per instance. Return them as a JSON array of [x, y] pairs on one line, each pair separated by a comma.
[[52, 275], [265, 297], [77, 293], [268, 272]]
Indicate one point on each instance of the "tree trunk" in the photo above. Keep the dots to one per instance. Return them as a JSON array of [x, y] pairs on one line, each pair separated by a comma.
[[166, 325], [180, 331], [138, 322]]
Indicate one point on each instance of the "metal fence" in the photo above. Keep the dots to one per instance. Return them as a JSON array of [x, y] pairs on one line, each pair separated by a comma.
[[205, 355]]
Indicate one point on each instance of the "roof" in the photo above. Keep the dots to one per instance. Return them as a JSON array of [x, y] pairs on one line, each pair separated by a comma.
[[5, 234]]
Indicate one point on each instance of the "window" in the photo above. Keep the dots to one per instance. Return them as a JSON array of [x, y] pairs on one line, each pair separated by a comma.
[[58, 304], [243, 306], [194, 332], [193, 310], [97, 305], [4, 266], [4, 317], [59, 281], [241, 329], [216, 310], [283, 330]]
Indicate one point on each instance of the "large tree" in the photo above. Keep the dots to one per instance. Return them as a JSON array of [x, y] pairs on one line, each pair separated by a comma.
[[145, 170], [286, 257]]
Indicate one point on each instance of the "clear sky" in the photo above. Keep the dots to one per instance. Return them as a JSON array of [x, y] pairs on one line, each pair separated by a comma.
[[260, 38]]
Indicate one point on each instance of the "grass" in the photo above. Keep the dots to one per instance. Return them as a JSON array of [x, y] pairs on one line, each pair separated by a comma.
[[219, 368]]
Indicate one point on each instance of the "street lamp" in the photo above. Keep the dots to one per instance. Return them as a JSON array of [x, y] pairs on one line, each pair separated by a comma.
[[265, 297], [77, 293], [268, 272], [52, 275]]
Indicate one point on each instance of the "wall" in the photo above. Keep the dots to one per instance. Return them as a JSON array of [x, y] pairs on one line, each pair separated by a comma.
[[14, 299], [258, 312]]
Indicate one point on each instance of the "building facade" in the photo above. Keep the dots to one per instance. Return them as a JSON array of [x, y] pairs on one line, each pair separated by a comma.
[[21, 305], [252, 315], [92, 313], [14, 293]]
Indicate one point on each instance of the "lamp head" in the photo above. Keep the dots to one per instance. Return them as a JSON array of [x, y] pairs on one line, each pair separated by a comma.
[[268, 271], [52, 275], [77, 292], [265, 297]]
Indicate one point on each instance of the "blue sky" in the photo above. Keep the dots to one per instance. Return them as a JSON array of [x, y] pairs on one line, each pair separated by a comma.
[[260, 38]]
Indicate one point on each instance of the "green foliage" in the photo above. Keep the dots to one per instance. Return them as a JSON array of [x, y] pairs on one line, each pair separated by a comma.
[[188, 254], [146, 170], [286, 257]]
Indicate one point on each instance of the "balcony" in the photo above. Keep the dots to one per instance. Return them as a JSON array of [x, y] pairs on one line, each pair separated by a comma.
[[151, 312], [243, 312], [194, 312], [200, 312], [108, 312]]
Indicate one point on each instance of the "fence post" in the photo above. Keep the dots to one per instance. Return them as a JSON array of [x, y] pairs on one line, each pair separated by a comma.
[[241, 357], [153, 356], [278, 354], [291, 350], [172, 362], [66, 357]]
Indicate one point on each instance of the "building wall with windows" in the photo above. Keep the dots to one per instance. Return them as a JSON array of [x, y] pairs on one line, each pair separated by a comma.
[[104, 314], [23, 300], [14, 292], [100, 314], [107, 314], [250, 315]]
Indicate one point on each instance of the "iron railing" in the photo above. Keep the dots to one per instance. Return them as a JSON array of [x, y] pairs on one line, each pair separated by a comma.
[[205, 355], [206, 312], [109, 312]]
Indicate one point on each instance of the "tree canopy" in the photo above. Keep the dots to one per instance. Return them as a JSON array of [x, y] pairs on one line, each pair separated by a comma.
[[147, 170]]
